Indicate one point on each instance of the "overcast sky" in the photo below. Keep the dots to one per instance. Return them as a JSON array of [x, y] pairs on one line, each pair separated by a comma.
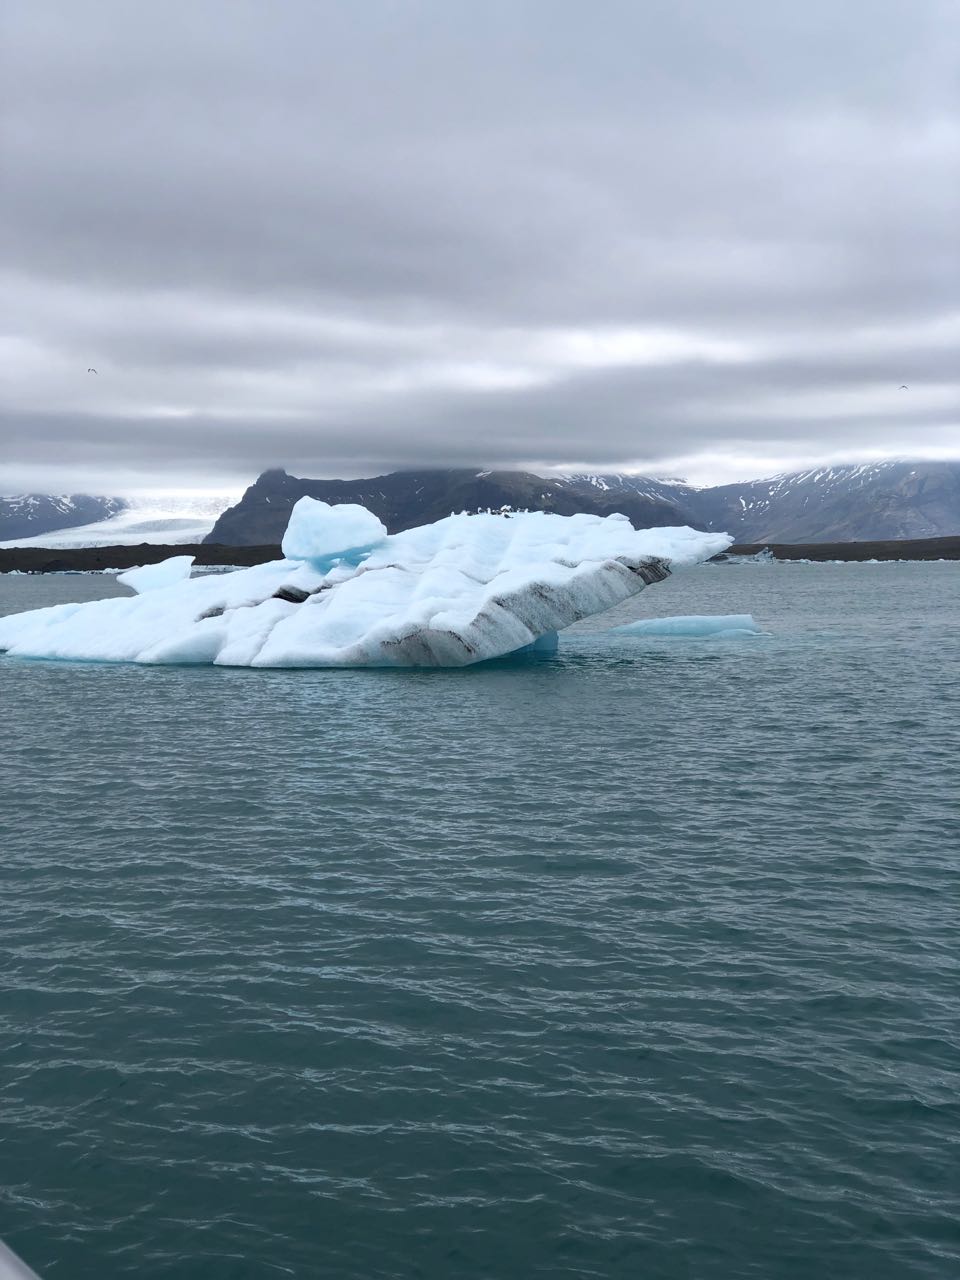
[[689, 236]]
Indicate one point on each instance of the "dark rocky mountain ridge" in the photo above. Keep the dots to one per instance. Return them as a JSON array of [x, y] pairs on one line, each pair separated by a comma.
[[26, 515], [894, 499], [882, 500], [873, 501], [404, 499]]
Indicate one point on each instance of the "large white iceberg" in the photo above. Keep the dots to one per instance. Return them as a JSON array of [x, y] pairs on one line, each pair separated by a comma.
[[449, 594]]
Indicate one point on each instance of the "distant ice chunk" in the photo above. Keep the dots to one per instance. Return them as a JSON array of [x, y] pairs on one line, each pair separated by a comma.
[[764, 556], [693, 625], [150, 577], [453, 593], [323, 533]]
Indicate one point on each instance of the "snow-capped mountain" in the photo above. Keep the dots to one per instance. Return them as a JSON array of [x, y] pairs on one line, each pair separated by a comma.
[[174, 518], [881, 500], [896, 498], [404, 499], [25, 515], [659, 502]]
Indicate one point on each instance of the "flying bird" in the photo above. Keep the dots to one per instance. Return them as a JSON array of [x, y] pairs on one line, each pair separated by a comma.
[[904, 387], [93, 371]]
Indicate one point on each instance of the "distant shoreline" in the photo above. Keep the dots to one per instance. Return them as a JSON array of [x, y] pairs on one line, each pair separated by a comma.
[[89, 559], [889, 549]]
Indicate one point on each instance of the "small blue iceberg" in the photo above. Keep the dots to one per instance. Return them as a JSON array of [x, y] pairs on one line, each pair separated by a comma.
[[698, 627]]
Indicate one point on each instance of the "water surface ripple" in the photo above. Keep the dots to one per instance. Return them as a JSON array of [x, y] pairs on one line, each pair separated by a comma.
[[640, 961]]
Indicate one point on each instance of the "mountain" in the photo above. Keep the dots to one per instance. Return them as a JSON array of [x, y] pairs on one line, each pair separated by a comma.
[[896, 498], [403, 499], [644, 500], [26, 515], [882, 500], [886, 500]]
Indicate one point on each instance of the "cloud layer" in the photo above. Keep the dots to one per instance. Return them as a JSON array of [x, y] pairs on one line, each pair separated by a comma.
[[346, 238]]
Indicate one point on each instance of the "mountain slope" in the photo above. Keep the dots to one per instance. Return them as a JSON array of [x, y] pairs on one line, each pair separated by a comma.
[[886, 500], [880, 500], [641, 498], [26, 515], [883, 500], [407, 498]]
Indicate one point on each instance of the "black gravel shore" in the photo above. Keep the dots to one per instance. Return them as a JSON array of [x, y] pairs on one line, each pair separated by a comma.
[[85, 559], [80, 559], [894, 549]]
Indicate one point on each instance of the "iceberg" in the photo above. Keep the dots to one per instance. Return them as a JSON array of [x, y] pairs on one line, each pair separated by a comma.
[[696, 626], [347, 594], [151, 576], [322, 533]]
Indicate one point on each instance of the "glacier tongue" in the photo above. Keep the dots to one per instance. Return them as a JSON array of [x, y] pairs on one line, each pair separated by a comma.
[[453, 593]]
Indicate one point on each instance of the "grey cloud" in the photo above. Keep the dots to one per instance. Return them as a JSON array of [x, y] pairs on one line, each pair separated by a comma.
[[643, 413], [766, 173]]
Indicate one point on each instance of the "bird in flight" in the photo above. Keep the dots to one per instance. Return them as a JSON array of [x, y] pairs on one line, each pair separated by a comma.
[[92, 371], [904, 387]]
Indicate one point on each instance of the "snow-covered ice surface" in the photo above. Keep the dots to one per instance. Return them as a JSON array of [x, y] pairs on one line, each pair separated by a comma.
[[151, 577], [152, 518], [460, 591], [694, 626]]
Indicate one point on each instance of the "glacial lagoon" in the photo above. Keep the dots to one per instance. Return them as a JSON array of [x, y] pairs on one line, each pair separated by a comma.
[[635, 960]]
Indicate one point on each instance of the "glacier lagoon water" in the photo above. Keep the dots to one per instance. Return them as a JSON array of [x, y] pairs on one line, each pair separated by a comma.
[[641, 960]]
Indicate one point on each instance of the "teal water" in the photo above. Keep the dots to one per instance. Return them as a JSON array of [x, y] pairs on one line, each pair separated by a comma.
[[641, 961]]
